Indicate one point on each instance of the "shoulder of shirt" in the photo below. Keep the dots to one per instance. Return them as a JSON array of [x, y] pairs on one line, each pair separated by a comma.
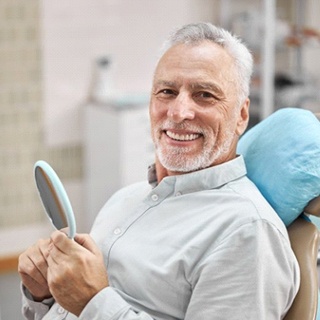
[[262, 210], [134, 189]]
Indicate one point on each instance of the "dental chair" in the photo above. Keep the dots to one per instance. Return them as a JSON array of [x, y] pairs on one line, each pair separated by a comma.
[[282, 155]]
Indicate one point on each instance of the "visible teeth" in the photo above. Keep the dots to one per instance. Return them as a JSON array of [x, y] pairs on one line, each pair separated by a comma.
[[183, 137]]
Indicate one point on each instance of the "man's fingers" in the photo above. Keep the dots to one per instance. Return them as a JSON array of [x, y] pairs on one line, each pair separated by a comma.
[[35, 270], [33, 262]]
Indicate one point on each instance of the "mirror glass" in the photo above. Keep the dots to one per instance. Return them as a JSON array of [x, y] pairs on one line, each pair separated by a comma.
[[54, 198]]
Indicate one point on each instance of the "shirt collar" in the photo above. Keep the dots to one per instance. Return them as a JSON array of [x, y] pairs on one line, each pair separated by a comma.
[[209, 178]]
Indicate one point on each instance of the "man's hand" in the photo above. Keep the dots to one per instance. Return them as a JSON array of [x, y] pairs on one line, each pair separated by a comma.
[[33, 270], [76, 271]]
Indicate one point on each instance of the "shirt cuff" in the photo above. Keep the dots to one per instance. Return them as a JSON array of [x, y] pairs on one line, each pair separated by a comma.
[[107, 304], [29, 299]]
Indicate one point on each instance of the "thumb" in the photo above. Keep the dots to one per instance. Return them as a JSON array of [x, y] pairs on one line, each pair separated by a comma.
[[86, 241]]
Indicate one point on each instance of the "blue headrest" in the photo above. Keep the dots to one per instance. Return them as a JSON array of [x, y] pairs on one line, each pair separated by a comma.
[[282, 155]]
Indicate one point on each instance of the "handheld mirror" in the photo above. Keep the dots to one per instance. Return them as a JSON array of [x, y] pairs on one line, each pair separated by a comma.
[[54, 198]]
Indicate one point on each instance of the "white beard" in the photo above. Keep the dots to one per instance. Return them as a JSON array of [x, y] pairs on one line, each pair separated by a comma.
[[177, 159]]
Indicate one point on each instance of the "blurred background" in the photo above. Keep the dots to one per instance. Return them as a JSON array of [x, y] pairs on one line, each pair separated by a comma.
[[75, 77]]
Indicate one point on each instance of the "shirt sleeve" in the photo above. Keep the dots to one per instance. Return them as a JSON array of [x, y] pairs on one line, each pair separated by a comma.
[[108, 304], [252, 274], [31, 309]]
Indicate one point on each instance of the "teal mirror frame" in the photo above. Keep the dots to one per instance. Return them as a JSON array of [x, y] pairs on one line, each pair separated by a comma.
[[60, 195]]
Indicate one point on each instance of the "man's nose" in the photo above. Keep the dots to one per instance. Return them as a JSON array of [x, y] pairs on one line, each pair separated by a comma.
[[181, 109]]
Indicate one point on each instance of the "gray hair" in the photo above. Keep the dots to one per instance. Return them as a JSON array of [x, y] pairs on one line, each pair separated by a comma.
[[197, 32]]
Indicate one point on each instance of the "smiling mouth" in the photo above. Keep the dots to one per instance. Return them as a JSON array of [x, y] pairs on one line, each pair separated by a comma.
[[182, 137]]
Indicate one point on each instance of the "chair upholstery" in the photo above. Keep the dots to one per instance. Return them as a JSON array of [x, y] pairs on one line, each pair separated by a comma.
[[304, 238]]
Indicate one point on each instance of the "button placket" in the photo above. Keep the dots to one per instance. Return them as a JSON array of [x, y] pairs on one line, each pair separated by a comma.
[[155, 197], [62, 312], [117, 231]]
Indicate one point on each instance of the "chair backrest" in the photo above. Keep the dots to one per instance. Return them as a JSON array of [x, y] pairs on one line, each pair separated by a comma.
[[304, 238]]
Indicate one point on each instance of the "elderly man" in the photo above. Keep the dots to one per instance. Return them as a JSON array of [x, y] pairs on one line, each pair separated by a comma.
[[198, 241]]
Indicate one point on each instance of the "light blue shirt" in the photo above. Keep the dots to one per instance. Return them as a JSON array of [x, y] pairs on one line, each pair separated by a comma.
[[199, 246]]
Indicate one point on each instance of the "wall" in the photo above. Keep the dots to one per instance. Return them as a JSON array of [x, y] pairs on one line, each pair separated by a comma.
[[20, 110], [20, 132], [76, 32]]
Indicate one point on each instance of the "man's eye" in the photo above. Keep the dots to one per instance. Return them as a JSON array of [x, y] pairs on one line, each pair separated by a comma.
[[167, 91], [205, 95]]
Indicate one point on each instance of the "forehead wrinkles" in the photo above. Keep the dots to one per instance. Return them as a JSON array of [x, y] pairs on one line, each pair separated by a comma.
[[201, 78], [205, 85]]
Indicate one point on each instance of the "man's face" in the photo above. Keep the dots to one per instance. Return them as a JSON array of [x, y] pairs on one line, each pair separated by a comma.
[[194, 111]]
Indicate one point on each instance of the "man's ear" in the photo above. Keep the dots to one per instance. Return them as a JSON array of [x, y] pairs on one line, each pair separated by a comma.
[[243, 117]]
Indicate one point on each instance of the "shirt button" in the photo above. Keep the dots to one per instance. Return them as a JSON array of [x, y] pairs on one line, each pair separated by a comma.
[[154, 197], [117, 231], [178, 194], [61, 310]]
